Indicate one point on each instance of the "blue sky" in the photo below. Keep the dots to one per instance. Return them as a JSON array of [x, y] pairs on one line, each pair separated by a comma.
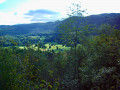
[[34, 11]]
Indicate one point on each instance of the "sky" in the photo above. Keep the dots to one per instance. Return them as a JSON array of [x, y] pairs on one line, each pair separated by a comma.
[[40, 11]]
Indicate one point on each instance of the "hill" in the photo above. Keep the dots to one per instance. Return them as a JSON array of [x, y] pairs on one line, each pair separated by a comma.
[[50, 27]]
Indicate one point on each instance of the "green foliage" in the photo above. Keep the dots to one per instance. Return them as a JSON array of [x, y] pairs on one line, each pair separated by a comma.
[[99, 70], [94, 66], [74, 30]]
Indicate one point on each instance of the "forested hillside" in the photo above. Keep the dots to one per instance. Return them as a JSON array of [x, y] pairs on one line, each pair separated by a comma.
[[50, 27], [78, 53], [28, 28]]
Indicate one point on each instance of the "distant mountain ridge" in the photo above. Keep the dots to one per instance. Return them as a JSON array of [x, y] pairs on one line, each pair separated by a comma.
[[28, 28], [107, 18], [49, 27]]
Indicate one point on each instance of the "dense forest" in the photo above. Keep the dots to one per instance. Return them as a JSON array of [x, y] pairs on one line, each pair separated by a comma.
[[77, 53]]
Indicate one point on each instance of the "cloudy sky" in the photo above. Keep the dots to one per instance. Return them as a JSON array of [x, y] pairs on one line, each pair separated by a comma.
[[32, 11]]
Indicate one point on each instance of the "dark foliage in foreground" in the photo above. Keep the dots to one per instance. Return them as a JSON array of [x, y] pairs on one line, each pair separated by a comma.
[[93, 66]]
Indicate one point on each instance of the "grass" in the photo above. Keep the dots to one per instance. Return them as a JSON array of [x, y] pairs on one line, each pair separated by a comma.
[[49, 47], [54, 47]]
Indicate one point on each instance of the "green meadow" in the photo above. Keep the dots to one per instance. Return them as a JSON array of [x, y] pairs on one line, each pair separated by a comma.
[[49, 47]]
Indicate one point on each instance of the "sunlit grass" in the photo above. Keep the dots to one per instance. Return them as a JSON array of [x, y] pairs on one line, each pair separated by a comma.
[[21, 47], [54, 47], [49, 47]]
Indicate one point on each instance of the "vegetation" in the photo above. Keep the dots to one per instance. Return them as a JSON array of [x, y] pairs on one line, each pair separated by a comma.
[[89, 58], [94, 66], [70, 30]]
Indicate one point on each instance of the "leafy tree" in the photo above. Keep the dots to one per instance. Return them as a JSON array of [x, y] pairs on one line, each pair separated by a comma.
[[41, 45], [100, 69], [72, 27]]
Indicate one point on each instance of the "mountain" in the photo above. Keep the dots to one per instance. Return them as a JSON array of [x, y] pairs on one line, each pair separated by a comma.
[[108, 18], [28, 28], [50, 27]]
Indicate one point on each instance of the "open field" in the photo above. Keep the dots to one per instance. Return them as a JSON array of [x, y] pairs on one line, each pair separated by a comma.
[[49, 47]]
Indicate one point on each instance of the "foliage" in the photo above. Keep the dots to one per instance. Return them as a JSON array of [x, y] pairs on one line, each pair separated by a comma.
[[94, 66], [100, 69], [70, 30]]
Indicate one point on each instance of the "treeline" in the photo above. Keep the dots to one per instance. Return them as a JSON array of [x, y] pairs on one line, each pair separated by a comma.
[[29, 39], [93, 65]]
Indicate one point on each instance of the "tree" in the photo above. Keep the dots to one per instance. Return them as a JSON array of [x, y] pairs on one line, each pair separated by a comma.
[[2, 40], [40, 45], [73, 32], [72, 27], [102, 66]]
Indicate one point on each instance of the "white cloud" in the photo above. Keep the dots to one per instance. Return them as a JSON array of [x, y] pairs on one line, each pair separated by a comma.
[[2, 1], [11, 19], [92, 6], [101, 6], [55, 5]]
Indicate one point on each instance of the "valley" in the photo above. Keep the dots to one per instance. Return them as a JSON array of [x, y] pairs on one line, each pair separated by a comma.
[[77, 53]]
